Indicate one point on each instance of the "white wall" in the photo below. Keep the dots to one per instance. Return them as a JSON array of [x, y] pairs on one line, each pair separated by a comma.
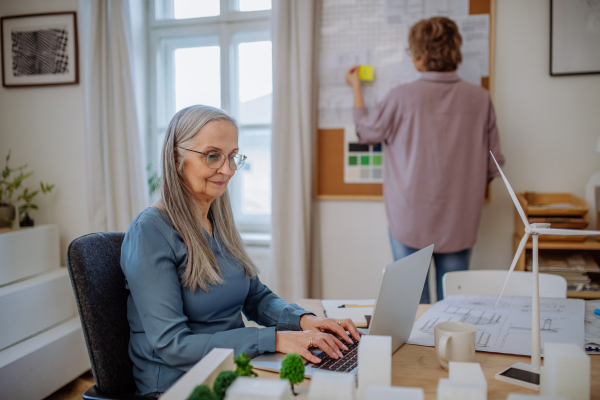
[[44, 127], [548, 129]]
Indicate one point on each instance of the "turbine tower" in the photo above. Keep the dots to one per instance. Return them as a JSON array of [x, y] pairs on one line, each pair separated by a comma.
[[520, 373]]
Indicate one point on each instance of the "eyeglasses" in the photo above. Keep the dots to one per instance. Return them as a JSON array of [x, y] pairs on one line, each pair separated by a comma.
[[216, 160]]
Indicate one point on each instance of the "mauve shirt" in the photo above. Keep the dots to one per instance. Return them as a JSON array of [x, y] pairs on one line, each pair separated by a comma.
[[437, 133]]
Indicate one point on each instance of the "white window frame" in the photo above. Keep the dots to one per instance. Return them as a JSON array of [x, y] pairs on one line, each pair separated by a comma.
[[223, 28]]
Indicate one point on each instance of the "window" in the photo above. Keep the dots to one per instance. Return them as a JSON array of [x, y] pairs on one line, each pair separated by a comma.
[[218, 53]]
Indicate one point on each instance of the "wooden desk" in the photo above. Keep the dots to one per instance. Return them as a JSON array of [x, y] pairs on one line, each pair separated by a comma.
[[417, 366]]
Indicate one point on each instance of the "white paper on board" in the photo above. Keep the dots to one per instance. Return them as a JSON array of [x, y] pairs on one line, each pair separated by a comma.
[[337, 102], [334, 118], [350, 135], [475, 32], [336, 105], [403, 11], [469, 70], [334, 63], [336, 97], [446, 8]]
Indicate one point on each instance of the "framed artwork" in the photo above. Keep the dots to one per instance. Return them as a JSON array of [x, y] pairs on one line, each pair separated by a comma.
[[574, 37], [39, 49]]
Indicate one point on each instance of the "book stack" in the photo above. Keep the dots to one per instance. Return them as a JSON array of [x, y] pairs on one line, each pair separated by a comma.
[[574, 267]]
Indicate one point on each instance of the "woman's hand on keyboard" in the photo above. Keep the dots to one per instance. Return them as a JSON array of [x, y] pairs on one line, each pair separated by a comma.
[[299, 342], [311, 323]]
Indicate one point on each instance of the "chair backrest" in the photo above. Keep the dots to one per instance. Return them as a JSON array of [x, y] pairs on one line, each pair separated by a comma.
[[94, 263], [490, 282]]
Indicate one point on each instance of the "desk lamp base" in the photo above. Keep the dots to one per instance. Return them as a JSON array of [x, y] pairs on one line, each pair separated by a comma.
[[520, 374]]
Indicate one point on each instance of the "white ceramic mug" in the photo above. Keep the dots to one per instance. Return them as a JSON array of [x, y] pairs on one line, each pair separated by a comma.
[[454, 341]]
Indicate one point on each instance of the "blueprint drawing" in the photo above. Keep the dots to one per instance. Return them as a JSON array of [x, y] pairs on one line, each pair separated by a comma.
[[505, 328]]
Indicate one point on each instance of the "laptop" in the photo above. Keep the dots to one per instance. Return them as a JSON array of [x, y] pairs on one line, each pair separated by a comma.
[[394, 315]]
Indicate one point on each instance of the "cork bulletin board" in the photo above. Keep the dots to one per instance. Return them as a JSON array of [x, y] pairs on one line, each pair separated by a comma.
[[330, 155]]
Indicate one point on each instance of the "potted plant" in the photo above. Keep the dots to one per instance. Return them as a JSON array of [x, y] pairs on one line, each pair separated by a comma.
[[11, 184]]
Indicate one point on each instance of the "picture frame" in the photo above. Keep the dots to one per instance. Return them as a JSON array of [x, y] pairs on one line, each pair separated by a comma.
[[574, 37], [39, 49]]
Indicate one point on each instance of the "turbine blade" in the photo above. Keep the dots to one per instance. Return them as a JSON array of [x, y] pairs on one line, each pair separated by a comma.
[[564, 232], [514, 262], [513, 196]]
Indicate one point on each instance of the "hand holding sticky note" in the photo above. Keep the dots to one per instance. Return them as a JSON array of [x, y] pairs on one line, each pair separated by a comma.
[[365, 72]]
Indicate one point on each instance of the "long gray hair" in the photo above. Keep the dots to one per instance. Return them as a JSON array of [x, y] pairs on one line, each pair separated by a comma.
[[202, 268]]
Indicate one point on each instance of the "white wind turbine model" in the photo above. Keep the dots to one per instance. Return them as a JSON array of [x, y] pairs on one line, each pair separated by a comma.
[[520, 373]]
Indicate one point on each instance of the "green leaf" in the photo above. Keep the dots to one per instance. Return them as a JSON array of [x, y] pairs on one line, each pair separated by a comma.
[[47, 188]]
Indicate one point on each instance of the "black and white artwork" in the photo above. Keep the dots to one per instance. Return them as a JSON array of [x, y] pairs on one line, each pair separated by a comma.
[[39, 50], [574, 37]]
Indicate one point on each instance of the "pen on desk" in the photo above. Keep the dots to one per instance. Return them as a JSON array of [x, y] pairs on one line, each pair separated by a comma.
[[597, 311], [355, 305]]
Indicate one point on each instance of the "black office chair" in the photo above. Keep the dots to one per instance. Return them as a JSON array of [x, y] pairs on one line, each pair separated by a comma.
[[94, 263]]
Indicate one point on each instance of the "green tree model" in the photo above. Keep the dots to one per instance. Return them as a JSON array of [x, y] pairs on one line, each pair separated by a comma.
[[242, 366], [292, 369], [222, 382], [202, 392]]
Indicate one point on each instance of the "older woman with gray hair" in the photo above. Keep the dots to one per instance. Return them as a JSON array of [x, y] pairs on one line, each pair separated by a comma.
[[188, 274]]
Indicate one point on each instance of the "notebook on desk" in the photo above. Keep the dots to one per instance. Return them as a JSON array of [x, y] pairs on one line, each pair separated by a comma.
[[356, 314]]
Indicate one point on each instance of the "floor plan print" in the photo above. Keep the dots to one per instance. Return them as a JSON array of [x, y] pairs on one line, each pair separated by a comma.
[[505, 328]]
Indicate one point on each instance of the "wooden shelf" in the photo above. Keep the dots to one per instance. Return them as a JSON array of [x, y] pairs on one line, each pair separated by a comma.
[[583, 295], [591, 243]]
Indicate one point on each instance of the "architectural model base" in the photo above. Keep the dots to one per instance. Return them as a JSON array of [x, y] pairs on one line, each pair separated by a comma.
[[520, 374]]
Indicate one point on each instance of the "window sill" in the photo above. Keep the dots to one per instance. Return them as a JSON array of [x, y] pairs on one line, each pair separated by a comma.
[[256, 239]]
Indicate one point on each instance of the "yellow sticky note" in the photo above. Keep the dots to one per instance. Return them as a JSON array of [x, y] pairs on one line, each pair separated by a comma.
[[365, 72]]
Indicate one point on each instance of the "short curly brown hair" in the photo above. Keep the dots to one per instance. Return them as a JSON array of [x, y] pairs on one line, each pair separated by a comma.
[[438, 40]]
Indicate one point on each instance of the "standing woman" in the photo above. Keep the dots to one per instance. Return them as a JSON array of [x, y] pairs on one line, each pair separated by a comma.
[[438, 134]]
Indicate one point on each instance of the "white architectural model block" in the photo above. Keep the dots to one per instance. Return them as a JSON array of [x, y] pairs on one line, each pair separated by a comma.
[[203, 373], [459, 390], [246, 388], [394, 393], [374, 363], [515, 396], [326, 385], [566, 371], [468, 372]]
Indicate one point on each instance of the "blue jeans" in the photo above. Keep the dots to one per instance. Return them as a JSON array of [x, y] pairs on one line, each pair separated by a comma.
[[444, 262]]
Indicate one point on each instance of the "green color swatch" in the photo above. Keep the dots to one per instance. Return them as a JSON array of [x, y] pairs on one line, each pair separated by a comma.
[[352, 160], [376, 160], [364, 160]]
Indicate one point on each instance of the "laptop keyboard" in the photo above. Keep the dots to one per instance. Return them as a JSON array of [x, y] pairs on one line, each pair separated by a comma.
[[344, 364]]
